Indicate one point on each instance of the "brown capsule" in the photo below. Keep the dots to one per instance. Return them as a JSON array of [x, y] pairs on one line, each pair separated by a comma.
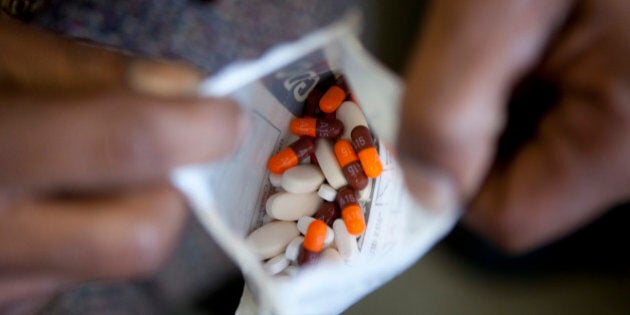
[[307, 257], [345, 197], [350, 165], [351, 212], [291, 155], [328, 212], [316, 127], [311, 105], [366, 150]]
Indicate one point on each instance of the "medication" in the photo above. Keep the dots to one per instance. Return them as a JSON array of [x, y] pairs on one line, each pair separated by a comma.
[[327, 193], [366, 150], [328, 163], [331, 256], [293, 249], [276, 264], [311, 105], [304, 222], [351, 116], [350, 165], [275, 179], [351, 212], [291, 155], [334, 96], [272, 239], [363, 195], [316, 127], [313, 243], [345, 242], [328, 212], [290, 207], [301, 179]]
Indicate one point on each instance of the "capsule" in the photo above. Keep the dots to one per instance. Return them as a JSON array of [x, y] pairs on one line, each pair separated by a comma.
[[366, 150], [291, 155], [316, 127], [328, 212], [350, 165], [311, 105], [351, 212], [313, 243], [334, 96]]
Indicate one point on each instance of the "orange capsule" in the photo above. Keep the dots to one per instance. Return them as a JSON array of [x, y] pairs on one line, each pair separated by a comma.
[[368, 155], [316, 127], [351, 212], [350, 165], [313, 243], [291, 155], [334, 96]]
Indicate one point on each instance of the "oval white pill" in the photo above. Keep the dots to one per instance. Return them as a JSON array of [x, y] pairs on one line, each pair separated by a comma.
[[304, 222], [290, 207], [275, 179], [351, 116], [302, 179], [331, 255], [272, 239], [327, 193], [276, 264], [328, 163], [345, 242], [293, 249]]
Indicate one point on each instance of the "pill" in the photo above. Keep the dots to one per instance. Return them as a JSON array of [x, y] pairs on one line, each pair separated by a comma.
[[326, 192], [328, 212], [290, 207], [311, 105], [334, 96], [350, 165], [293, 249], [351, 116], [331, 255], [313, 242], [301, 179], [291, 155], [292, 271], [276, 264], [316, 127], [272, 239], [304, 222], [328, 163], [275, 179], [366, 150], [345, 242], [351, 212]]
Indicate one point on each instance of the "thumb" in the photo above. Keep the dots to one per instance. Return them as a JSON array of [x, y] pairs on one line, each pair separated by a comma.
[[468, 58]]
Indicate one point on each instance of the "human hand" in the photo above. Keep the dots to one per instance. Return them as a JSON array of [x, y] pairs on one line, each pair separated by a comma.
[[87, 139], [470, 57]]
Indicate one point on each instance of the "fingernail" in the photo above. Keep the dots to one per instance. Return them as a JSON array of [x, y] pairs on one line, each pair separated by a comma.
[[430, 186], [225, 126], [161, 78]]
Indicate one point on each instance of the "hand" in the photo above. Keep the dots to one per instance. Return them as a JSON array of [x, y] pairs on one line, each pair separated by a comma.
[[470, 57], [87, 139]]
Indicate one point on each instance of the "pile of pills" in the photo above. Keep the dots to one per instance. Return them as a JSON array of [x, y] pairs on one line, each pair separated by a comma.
[[320, 180]]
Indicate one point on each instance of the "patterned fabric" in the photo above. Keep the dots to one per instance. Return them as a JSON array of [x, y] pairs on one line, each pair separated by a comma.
[[208, 34]]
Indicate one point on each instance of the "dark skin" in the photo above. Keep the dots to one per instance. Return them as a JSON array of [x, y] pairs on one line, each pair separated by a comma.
[[469, 59], [87, 140], [82, 200]]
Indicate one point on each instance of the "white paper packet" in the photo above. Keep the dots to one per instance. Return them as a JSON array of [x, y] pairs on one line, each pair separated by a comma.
[[228, 197]]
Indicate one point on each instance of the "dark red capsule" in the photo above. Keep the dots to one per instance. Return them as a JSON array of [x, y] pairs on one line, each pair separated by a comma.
[[328, 212], [307, 257]]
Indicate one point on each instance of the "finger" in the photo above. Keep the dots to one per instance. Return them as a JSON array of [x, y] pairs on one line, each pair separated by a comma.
[[114, 139], [468, 58], [126, 236], [566, 177], [34, 60], [27, 291]]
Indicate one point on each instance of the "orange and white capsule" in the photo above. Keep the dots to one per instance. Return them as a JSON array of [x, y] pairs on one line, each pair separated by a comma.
[[313, 243], [366, 150], [316, 127], [291, 155], [351, 212], [350, 165], [334, 96]]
